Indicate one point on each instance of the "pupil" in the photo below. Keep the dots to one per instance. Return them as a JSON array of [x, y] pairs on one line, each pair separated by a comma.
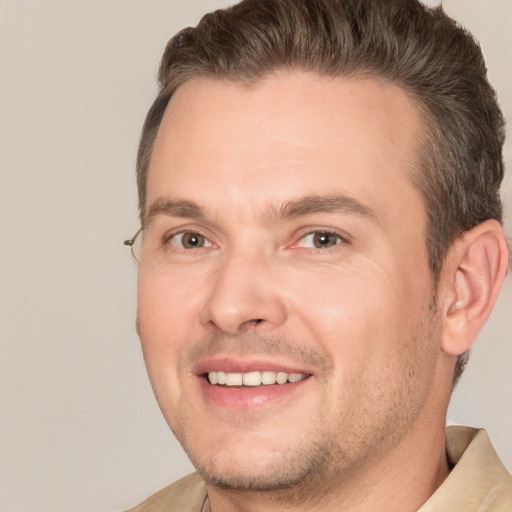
[[325, 240], [192, 240]]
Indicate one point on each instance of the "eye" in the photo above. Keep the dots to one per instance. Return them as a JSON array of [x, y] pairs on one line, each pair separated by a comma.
[[320, 240], [189, 240]]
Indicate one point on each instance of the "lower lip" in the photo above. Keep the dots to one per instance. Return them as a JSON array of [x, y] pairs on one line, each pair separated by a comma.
[[247, 398]]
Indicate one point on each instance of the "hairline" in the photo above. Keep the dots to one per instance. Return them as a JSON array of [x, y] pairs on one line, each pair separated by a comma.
[[424, 138]]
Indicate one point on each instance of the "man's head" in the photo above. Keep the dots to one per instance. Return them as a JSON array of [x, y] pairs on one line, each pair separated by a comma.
[[421, 50], [317, 193]]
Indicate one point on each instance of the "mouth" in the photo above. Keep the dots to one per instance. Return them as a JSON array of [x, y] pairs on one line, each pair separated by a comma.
[[253, 379], [247, 385]]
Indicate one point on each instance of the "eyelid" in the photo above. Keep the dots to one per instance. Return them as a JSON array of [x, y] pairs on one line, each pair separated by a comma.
[[181, 230], [303, 233], [181, 237]]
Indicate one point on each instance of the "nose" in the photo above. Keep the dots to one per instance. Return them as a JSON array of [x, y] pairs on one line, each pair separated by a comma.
[[244, 293]]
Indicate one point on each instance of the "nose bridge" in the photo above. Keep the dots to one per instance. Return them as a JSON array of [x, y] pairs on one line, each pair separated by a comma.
[[244, 291]]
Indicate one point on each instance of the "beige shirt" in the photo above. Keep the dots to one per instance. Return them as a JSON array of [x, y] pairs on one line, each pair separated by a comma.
[[478, 483]]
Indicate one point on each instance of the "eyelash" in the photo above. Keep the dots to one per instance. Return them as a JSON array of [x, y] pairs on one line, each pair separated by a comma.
[[341, 239], [168, 239]]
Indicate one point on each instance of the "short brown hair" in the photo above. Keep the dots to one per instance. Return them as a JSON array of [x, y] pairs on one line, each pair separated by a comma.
[[418, 48]]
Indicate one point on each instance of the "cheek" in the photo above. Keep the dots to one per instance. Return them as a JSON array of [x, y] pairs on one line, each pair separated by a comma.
[[359, 315], [165, 320], [379, 340], [165, 304], [343, 304]]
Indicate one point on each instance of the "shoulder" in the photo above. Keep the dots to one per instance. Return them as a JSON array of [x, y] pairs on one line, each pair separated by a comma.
[[185, 495], [478, 480]]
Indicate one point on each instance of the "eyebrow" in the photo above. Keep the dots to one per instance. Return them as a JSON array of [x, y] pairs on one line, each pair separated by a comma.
[[309, 205], [300, 207], [174, 208]]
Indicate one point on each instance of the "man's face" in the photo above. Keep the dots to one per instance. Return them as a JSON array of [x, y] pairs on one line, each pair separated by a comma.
[[285, 242]]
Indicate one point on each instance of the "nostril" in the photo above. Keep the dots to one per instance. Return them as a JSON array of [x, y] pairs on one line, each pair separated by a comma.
[[253, 322]]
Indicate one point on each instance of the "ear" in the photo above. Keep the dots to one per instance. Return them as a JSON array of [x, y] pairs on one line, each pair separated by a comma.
[[472, 277]]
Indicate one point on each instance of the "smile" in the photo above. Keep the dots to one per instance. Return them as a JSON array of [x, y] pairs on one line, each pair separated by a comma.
[[253, 379]]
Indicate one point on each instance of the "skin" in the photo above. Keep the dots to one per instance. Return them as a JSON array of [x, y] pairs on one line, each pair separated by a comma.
[[255, 171]]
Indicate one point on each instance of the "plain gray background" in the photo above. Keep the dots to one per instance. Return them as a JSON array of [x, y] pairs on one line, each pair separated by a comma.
[[80, 429]]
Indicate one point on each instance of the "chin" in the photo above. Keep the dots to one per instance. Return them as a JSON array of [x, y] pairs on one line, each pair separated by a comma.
[[273, 476], [257, 469]]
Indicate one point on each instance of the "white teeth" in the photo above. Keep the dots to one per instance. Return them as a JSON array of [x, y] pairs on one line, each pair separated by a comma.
[[253, 379], [234, 379], [281, 377], [268, 378]]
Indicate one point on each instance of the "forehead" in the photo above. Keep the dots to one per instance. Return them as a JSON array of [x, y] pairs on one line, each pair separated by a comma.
[[290, 134]]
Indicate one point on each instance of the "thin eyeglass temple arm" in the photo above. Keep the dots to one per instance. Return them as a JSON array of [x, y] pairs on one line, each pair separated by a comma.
[[131, 241]]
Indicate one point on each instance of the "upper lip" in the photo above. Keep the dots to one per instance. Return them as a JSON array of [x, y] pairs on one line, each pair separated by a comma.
[[245, 365]]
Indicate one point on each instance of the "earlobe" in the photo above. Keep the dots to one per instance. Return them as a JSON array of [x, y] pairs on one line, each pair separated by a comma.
[[475, 270]]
